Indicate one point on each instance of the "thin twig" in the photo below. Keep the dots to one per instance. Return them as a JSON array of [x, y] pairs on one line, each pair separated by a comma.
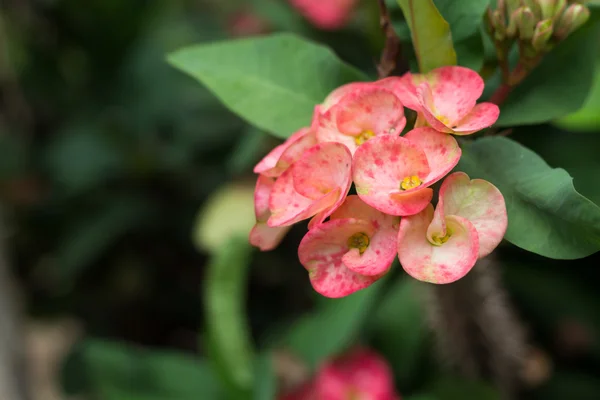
[[391, 49]]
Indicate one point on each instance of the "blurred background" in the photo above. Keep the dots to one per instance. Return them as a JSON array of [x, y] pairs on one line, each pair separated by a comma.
[[120, 178]]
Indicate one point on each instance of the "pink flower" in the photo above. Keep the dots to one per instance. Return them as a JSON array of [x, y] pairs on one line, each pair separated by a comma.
[[317, 183], [246, 23], [263, 236], [284, 155], [360, 374], [393, 174], [446, 97], [469, 222], [352, 250], [355, 113], [329, 14]]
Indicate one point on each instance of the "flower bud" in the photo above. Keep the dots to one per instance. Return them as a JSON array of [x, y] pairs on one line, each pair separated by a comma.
[[512, 6], [513, 23], [541, 34], [552, 8], [526, 24], [574, 17], [499, 25], [535, 8]]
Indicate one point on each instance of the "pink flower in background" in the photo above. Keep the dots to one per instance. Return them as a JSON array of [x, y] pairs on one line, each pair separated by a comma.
[[246, 23], [393, 174], [351, 251], [263, 236], [315, 184], [358, 113], [469, 222], [360, 374], [326, 14], [447, 98]]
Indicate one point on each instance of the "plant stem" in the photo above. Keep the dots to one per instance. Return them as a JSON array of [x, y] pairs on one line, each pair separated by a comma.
[[391, 50]]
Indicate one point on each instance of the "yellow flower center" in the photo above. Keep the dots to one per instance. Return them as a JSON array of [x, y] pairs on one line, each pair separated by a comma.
[[410, 182], [440, 240], [359, 241], [363, 137], [443, 119]]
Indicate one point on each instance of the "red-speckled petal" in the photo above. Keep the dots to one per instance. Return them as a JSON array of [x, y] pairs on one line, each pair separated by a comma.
[[359, 374], [405, 87], [261, 235], [428, 110], [327, 131], [441, 149], [262, 192], [322, 169], [334, 97], [265, 237], [379, 167], [481, 203], [410, 202], [443, 263], [455, 91], [321, 251], [269, 164], [482, 116]]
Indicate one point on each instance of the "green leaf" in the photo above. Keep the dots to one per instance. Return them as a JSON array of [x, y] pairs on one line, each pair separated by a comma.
[[115, 371], [265, 387], [274, 82], [546, 215], [332, 327], [454, 388], [587, 118], [470, 52], [463, 16], [560, 84], [399, 331], [430, 34], [227, 329]]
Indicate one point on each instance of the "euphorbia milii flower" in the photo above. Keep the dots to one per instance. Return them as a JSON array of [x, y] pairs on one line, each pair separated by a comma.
[[330, 14], [315, 184], [446, 97], [359, 113], [468, 223], [393, 174], [351, 250], [360, 374], [262, 236]]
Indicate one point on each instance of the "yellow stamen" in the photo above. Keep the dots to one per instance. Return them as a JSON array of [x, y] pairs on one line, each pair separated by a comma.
[[443, 119], [363, 137], [358, 241], [410, 182], [440, 240]]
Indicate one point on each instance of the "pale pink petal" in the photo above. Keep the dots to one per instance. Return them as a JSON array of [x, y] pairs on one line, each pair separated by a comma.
[[442, 151], [481, 203], [482, 116], [360, 374], [443, 263], [327, 131], [321, 251], [410, 202], [379, 167], [262, 192], [334, 97], [288, 206], [265, 237], [455, 91], [284, 155], [322, 169], [428, 110], [405, 87]]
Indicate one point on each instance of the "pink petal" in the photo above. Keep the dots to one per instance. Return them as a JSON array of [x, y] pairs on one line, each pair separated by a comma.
[[405, 87], [288, 206], [428, 110], [323, 168], [284, 155], [482, 116], [455, 91], [478, 201], [410, 202], [331, 14], [334, 97], [265, 237], [360, 374], [443, 263], [327, 131], [379, 167], [321, 251], [442, 151], [262, 192]]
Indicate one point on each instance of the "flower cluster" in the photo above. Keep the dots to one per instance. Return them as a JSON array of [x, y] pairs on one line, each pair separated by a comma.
[[359, 374], [355, 137]]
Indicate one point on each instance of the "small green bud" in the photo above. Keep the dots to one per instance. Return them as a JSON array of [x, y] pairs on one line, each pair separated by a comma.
[[552, 8], [513, 22], [535, 8], [526, 24], [499, 25], [512, 6], [573, 18], [541, 34]]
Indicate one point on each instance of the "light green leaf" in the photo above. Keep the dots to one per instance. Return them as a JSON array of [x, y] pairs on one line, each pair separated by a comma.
[[332, 327], [430, 34], [464, 16], [560, 84], [230, 346], [546, 215], [587, 118], [274, 82]]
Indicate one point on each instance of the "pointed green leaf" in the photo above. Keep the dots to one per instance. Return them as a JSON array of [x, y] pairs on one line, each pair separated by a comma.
[[430, 34], [546, 215], [273, 82]]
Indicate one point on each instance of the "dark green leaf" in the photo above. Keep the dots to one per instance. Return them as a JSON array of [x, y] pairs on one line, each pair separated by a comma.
[[560, 84], [265, 387], [273, 82], [470, 51], [464, 16], [227, 329], [587, 118], [430, 34], [546, 215]]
